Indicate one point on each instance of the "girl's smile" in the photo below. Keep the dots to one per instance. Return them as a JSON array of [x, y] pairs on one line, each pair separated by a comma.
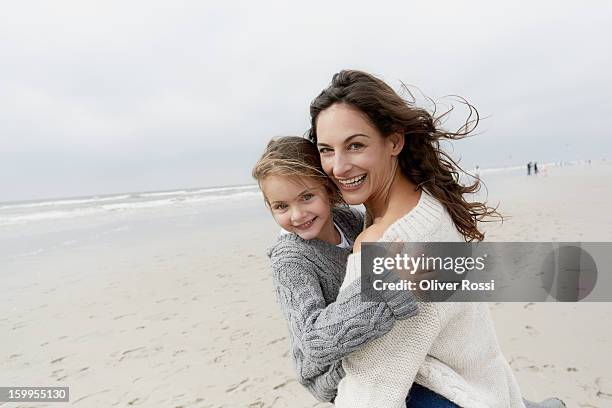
[[300, 205]]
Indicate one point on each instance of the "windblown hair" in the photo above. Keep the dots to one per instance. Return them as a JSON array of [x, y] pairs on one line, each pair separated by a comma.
[[294, 156], [421, 160]]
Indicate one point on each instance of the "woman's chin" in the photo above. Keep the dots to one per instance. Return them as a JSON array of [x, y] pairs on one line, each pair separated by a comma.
[[354, 197]]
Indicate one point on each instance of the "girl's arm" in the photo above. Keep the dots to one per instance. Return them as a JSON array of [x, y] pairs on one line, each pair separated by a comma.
[[323, 386], [324, 334]]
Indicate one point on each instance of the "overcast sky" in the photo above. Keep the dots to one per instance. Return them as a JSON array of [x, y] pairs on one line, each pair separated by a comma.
[[123, 96]]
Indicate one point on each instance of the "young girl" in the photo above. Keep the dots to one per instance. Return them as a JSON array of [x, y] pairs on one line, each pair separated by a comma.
[[308, 266]]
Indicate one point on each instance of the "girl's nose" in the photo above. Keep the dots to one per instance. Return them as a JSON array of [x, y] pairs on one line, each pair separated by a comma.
[[297, 215]]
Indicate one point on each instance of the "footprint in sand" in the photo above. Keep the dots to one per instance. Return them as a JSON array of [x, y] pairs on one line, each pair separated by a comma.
[[520, 363], [57, 360], [529, 306], [532, 331], [604, 388], [232, 388]]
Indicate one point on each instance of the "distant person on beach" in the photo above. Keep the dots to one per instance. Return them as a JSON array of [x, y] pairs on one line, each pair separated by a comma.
[[529, 168], [477, 173], [535, 168], [383, 152]]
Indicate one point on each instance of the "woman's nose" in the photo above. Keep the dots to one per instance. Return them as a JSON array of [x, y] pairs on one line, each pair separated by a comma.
[[341, 166]]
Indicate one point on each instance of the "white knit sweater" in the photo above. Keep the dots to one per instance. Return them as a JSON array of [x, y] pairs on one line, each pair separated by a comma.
[[450, 348]]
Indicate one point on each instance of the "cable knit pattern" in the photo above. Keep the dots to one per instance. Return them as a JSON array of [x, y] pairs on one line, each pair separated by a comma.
[[324, 326], [450, 348]]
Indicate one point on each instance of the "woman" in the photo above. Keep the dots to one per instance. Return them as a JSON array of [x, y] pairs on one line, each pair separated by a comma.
[[383, 152]]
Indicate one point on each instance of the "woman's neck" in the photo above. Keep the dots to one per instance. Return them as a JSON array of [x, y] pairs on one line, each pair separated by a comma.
[[400, 198]]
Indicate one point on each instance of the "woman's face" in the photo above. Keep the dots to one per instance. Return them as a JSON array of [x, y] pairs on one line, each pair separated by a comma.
[[354, 154]]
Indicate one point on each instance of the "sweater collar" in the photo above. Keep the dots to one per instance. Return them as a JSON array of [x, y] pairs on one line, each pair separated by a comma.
[[417, 223]]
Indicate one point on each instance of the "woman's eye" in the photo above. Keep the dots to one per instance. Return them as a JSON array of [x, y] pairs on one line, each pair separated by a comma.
[[307, 197], [324, 150], [355, 146]]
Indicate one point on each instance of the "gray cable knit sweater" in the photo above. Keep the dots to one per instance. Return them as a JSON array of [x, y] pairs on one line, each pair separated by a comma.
[[323, 326]]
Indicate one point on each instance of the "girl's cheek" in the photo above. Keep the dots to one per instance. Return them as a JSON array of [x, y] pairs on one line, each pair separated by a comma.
[[317, 200], [324, 200]]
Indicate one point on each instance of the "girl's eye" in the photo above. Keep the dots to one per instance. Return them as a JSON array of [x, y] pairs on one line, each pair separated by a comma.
[[307, 197], [324, 150], [279, 207]]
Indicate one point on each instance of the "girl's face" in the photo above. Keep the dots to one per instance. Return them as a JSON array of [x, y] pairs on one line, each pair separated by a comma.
[[354, 154], [299, 204]]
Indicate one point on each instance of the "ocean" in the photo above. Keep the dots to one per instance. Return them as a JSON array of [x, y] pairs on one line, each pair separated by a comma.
[[15, 213], [32, 228]]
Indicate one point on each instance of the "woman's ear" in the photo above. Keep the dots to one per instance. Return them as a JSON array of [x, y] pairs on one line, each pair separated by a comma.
[[396, 141]]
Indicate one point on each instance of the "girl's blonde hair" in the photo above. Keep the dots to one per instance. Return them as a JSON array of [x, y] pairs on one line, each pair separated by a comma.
[[294, 156]]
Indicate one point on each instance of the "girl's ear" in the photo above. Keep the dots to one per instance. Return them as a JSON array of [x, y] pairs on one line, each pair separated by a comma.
[[396, 140]]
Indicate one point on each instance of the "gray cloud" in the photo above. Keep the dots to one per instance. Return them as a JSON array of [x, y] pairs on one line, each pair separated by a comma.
[[129, 96]]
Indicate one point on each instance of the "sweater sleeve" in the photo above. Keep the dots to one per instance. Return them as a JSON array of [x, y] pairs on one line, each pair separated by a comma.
[[402, 303], [325, 334], [324, 386]]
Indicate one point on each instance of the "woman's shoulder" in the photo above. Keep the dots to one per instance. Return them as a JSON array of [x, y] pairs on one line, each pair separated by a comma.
[[373, 233], [425, 221]]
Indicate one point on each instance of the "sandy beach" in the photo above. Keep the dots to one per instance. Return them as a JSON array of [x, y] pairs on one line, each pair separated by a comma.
[[177, 309]]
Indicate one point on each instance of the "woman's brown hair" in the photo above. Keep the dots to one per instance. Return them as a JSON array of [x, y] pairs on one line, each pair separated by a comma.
[[294, 156], [421, 160]]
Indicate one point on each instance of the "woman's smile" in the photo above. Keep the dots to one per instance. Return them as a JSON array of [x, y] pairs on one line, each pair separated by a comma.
[[351, 184]]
